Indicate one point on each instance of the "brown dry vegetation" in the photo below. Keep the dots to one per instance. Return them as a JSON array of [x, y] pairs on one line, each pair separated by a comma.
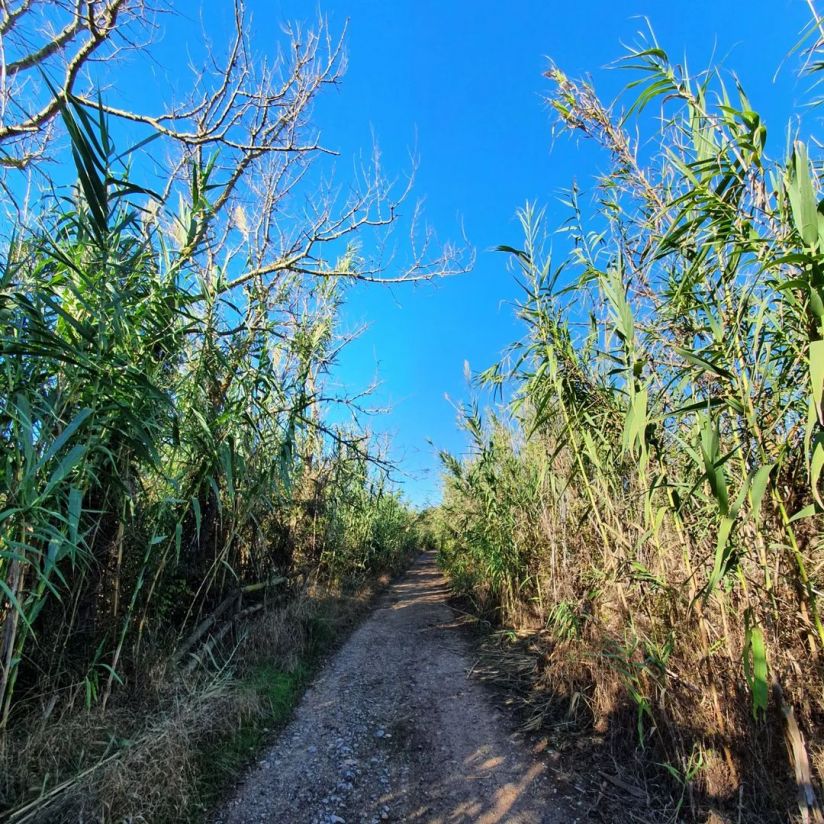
[[170, 752], [647, 510]]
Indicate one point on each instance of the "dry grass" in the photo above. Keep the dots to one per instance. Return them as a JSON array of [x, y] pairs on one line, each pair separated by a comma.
[[165, 753], [139, 761], [582, 721]]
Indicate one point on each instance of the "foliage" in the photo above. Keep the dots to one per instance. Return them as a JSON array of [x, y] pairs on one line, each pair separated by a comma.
[[653, 495], [171, 459]]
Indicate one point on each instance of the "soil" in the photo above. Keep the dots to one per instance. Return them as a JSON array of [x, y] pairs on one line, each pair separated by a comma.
[[392, 730]]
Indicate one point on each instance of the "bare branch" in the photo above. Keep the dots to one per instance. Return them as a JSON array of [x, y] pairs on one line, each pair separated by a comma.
[[32, 49]]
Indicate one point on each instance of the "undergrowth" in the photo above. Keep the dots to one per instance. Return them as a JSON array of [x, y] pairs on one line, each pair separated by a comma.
[[180, 471], [173, 754], [646, 507]]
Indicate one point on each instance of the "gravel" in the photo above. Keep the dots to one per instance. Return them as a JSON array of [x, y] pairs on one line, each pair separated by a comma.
[[392, 730]]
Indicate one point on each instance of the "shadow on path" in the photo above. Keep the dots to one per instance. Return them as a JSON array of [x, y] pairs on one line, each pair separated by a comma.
[[393, 730]]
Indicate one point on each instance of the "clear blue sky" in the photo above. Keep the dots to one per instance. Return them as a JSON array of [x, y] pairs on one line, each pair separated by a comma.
[[462, 82]]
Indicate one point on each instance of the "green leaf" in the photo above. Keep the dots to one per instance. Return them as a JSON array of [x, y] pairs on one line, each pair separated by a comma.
[[758, 486], [710, 452], [802, 197], [198, 516], [636, 421], [817, 377], [821, 224], [15, 604], [806, 512], [75, 508], [755, 667], [722, 555], [58, 443], [63, 468], [511, 250], [816, 467], [705, 364]]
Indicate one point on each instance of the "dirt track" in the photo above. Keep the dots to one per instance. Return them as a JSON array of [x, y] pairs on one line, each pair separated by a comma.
[[393, 730]]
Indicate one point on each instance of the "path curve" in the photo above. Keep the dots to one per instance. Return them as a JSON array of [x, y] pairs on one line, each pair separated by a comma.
[[392, 730]]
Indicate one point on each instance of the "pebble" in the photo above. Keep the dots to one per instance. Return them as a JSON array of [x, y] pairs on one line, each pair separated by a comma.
[[330, 766]]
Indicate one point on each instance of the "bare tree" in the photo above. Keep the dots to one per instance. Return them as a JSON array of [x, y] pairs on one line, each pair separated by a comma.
[[45, 47], [245, 125]]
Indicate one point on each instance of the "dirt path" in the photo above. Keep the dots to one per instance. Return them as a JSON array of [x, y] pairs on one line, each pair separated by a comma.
[[393, 730]]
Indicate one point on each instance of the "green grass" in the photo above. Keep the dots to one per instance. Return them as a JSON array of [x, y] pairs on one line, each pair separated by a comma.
[[224, 760], [278, 692]]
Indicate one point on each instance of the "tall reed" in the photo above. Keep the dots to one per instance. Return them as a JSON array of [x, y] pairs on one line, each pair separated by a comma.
[[164, 433], [653, 493]]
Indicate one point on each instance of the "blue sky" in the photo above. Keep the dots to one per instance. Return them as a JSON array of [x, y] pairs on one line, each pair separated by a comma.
[[462, 83]]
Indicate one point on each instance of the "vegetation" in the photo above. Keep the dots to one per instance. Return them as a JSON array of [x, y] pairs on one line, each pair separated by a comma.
[[177, 475], [189, 512], [648, 507]]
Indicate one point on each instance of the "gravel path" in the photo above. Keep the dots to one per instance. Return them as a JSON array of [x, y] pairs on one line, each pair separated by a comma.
[[392, 730]]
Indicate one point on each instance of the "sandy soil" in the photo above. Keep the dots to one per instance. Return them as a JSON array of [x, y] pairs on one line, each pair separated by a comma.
[[392, 730]]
